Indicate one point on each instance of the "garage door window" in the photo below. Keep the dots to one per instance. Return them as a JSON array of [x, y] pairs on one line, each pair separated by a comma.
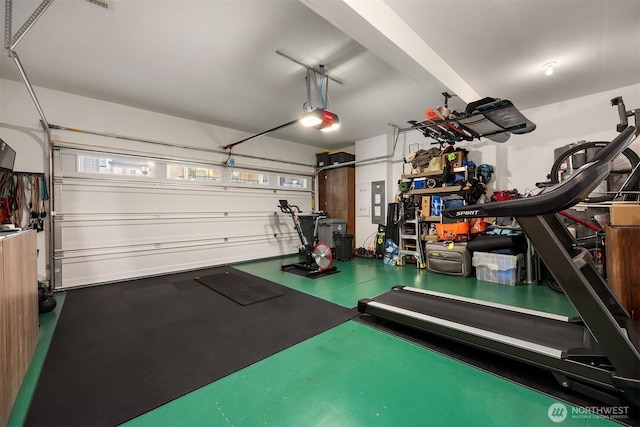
[[116, 166], [244, 177], [292, 182], [192, 173]]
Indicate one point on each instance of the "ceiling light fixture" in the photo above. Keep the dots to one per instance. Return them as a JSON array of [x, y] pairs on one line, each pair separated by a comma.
[[321, 119], [333, 124], [548, 68], [311, 118]]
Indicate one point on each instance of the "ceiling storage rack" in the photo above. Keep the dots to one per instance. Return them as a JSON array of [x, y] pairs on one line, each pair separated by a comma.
[[491, 118]]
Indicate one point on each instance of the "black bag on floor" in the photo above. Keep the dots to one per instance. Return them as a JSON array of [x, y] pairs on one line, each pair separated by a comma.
[[392, 230], [491, 242], [448, 258]]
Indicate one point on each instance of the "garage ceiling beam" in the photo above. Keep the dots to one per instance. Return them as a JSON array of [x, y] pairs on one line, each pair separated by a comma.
[[378, 28]]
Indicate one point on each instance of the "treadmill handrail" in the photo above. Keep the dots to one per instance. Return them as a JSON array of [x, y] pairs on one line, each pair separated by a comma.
[[490, 304], [558, 197], [468, 329]]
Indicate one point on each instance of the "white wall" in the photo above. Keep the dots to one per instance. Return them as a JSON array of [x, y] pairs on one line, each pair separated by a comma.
[[19, 127], [526, 159], [383, 156], [365, 174]]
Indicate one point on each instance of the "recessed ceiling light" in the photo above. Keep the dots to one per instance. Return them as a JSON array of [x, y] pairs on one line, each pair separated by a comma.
[[548, 68]]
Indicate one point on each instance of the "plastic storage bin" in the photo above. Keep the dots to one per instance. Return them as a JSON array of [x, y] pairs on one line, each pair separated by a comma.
[[419, 183], [322, 158], [336, 157], [327, 227], [498, 268]]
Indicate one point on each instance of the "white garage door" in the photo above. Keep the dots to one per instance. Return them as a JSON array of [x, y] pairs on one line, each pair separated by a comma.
[[120, 216]]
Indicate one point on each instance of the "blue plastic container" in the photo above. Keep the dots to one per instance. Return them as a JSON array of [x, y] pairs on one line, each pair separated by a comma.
[[436, 205]]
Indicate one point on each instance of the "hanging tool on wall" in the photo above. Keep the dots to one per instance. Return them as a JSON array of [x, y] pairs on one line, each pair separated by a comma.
[[39, 194], [34, 202], [25, 195]]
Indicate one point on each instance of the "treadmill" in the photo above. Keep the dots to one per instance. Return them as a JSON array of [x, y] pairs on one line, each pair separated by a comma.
[[596, 354]]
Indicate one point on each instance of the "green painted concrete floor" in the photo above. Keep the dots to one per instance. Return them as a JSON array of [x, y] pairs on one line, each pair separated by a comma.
[[353, 375]]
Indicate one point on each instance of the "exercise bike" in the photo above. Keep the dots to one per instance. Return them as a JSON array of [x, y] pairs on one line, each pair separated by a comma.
[[314, 258]]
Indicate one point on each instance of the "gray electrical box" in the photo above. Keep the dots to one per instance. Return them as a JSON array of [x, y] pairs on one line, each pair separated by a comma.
[[378, 215]]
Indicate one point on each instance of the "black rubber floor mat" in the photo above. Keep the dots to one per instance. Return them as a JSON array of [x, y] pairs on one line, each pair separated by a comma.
[[305, 273], [123, 349], [241, 289]]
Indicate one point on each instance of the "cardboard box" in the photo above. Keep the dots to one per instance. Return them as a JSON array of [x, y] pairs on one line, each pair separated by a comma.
[[457, 158], [426, 206], [624, 214]]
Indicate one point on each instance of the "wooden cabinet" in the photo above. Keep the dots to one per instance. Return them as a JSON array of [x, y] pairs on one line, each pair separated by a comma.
[[18, 314], [337, 194], [623, 268]]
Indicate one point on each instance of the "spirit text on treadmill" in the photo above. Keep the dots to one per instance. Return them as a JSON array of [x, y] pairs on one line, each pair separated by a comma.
[[466, 213]]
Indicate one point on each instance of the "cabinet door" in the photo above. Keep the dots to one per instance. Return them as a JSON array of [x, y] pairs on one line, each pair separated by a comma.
[[336, 194], [6, 398], [18, 314]]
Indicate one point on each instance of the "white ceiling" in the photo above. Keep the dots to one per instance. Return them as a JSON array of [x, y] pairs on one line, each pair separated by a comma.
[[215, 61]]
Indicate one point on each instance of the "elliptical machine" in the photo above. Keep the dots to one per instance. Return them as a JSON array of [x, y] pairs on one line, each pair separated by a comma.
[[315, 258]]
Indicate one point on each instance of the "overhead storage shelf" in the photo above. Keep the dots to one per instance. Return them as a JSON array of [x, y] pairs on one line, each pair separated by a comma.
[[492, 118], [439, 172], [437, 190]]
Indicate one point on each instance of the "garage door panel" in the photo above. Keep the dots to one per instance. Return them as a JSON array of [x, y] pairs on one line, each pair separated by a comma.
[[80, 234], [82, 197], [110, 228], [112, 267]]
